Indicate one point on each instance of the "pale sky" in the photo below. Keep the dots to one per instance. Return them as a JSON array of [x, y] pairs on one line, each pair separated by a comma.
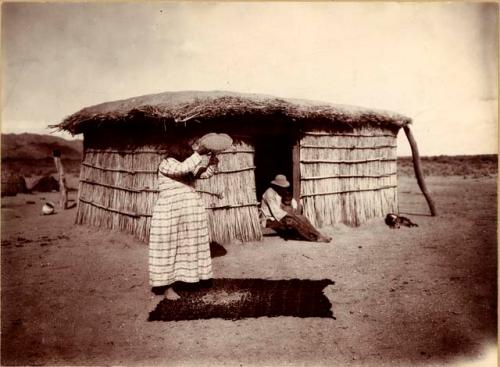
[[434, 62]]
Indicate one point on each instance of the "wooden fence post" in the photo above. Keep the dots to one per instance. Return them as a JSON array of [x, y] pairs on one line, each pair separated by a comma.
[[62, 179]]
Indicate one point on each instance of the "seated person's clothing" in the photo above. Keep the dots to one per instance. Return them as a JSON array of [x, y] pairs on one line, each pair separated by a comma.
[[271, 205], [284, 220], [289, 204]]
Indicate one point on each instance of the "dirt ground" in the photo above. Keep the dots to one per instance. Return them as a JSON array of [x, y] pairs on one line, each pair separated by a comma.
[[74, 295]]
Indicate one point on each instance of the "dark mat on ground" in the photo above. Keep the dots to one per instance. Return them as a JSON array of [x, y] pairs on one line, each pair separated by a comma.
[[234, 299], [216, 250]]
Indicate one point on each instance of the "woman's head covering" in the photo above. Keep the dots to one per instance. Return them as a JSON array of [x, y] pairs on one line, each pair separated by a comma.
[[281, 181]]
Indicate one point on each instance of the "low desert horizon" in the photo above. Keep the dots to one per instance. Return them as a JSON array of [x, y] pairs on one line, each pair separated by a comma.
[[79, 137]]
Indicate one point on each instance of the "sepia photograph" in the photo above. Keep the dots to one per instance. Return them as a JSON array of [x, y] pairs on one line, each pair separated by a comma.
[[259, 183]]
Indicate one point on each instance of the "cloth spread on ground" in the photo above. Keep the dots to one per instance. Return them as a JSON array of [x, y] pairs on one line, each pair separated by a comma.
[[234, 299], [179, 241]]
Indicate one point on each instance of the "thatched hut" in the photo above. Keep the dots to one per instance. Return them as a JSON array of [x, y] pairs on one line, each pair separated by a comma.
[[43, 184], [341, 160], [12, 183]]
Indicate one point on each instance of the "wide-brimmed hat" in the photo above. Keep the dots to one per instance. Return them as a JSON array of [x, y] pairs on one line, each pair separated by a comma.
[[280, 180], [215, 142]]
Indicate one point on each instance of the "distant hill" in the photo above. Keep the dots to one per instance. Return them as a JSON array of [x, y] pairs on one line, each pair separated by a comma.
[[456, 165], [31, 154], [36, 146]]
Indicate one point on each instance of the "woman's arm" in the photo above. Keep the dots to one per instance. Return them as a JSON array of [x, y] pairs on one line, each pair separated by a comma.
[[171, 167], [210, 170]]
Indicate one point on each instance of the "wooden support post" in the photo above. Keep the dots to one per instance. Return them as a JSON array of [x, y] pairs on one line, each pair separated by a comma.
[[296, 171], [418, 169], [62, 179]]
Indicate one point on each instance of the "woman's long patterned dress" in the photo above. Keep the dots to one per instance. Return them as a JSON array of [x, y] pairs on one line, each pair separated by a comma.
[[179, 248]]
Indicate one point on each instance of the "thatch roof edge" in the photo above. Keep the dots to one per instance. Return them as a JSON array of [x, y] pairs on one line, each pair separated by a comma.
[[180, 107]]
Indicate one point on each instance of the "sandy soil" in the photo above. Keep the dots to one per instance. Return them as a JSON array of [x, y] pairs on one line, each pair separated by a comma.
[[427, 295]]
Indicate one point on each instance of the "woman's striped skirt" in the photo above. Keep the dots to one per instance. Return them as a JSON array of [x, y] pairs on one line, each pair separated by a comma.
[[179, 248]]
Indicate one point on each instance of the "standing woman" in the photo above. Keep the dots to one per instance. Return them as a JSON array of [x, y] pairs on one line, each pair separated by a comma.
[[179, 249]]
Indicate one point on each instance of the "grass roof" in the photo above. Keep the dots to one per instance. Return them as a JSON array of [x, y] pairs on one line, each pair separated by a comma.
[[197, 106]]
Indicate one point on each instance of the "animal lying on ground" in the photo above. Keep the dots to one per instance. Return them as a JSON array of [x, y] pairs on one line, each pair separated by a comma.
[[396, 221]]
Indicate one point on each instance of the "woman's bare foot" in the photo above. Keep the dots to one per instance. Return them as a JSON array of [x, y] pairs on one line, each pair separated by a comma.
[[171, 294]]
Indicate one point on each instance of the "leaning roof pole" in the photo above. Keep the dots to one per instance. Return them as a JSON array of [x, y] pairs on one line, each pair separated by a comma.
[[418, 169]]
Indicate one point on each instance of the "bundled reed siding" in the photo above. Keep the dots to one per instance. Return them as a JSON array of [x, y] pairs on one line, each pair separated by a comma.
[[118, 190], [348, 177]]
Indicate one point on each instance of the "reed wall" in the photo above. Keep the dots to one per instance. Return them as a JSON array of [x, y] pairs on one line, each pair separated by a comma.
[[348, 177], [118, 190]]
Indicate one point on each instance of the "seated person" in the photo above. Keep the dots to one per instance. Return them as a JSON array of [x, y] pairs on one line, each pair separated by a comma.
[[286, 219]]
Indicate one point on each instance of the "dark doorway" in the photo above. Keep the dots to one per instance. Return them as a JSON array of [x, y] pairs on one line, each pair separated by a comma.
[[273, 156]]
